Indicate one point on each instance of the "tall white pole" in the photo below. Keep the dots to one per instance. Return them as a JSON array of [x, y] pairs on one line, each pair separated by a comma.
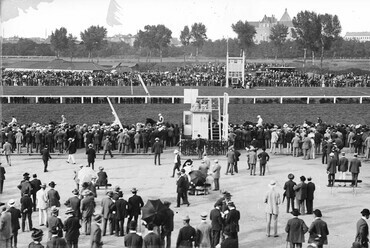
[[227, 63]]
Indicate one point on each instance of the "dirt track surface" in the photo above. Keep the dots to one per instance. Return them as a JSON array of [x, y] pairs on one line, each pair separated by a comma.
[[340, 207]]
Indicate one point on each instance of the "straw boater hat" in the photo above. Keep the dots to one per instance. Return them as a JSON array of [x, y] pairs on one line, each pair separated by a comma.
[[272, 183], [133, 190], [69, 211], [11, 203], [203, 215], [186, 217], [176, 151]]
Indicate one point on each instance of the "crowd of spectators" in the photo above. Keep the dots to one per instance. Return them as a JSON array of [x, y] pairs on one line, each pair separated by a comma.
[[210, 74]]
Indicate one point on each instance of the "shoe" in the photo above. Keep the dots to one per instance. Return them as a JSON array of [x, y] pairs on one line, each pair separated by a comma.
[[177, 207], [226, 173], [41, 224], [275, 236], [188, 204], [267, 235], [67, 162], [45, 170], [172, 176]]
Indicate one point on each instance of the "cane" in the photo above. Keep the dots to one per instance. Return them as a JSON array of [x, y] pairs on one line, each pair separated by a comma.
[[10, 160]]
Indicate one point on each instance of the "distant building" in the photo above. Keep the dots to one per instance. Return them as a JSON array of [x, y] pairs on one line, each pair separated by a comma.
[[175, 42], [129, 39], [263, 27], [359, 36]]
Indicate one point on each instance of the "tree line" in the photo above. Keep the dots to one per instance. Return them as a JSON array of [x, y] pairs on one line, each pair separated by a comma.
[[314, 35]]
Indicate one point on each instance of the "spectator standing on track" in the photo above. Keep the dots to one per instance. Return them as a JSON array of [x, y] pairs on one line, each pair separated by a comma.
[[91, 155], [96, 233], [26, 210], [301, 194], [7, 150], [342, 167], [152, 239], [55, 222], [36, 186], [42, 204], [167, 225], [289, 192], [354, 168], [45, 157], [108, 206], [2, 177], [296, 228], [107, 147], [331, 169], [19, 140], [310, 195], [187, 234], [318, 230], [216, 223], [135, 203], [199, 146], [87, 210], [177, 162], [15, 215], [72, 228], [216, 174], [272, 200], [230, 161], [121, 214], [182, 189], [252, 160], [53, 195], [264, 158], [71, 150], [157, 150], [362, 229], [132, 239], [204, 232]]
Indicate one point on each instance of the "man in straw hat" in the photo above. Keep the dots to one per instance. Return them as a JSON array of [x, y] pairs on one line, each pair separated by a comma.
[[72, 228], [135, 203], [296, 228], [204, 231], [362, 229], [187, 234], [157, 150], [272, 200], [177, 162], [318, 230], [42, 204]]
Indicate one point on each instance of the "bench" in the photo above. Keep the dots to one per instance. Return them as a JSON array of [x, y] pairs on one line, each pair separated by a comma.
[[202, 190], [103, 186], [353, 182]]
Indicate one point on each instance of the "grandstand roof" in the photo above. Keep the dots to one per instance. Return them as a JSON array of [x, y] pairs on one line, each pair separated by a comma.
[[55, 65]]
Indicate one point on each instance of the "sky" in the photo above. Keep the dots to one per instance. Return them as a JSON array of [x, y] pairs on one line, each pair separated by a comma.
[[38, 18]]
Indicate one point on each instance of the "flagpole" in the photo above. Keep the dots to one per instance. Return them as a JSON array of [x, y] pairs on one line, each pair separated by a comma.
[[227, 62]]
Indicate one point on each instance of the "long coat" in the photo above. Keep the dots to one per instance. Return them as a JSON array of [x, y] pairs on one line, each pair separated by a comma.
[[107, 207], [72, 228], [355, 165], [135, 203], [301, 191], [5, 226], [53, 197], [216, 219], [332, 165], [75, 203], [204, 231], [362, 231], [318, 227], [272, 200], [95, 236], [186, 237], [15, 214], [343, 164], [133, 240], [310, 190], [289, 188], [296, 228]]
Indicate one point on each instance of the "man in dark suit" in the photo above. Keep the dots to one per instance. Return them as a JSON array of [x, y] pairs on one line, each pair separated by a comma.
[[182, 189], [343, 167], [362, 229], [108, 207], [45, 157], [216, 224], [157, 150], [56, 241], [25, 185], [91, 155], [102, 178], [331, 169], [36, 186], [74, 202], [296, 228], [167, 225], [2, 178], [152, 239], [121, 214], [231, 158], [135, 203], [187, 234], [354, 168], [95, 239], [15, 215], [229, 241], [132, 239], [301, 194], [72, 228], [53, 195], [26, 210], [310, 195], [318, 230], [87, 210], [177, 162], [289, 192], [232, 218], [264, 158]]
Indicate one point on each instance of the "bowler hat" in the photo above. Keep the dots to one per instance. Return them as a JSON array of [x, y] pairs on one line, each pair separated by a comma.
[[365, 211], [317, 213], [290, 176], [52, 184], [26, 175], [110, 193], [75, 192], [37, 234], [186, 217], [54, 230], [295, 212], [133, 190], [132, 225]]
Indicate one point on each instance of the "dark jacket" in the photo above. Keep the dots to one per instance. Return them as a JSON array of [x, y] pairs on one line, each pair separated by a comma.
[[186, 237], [56, 242], [310, 190], [182, 184], [53, 197], [216, 219], [121, 209], [75, 203], [135, 203], [133, 240], [167, 225], [15, 215], [318, 232], [289, 188], [72, 228], [26, 204]]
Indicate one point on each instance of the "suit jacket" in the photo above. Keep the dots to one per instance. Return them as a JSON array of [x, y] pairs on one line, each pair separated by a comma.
[[157, 147], [318, 227], [231, 158], [72, 228], [343, 164], [332, 165], [362, 231], [2, 173], [26, 204], [107, 207], [216, 219], [5, 226], [296, 228], [15, 215], [54, 221], [232, 220], [263, 157], [301, 191], [152, 240], [289, 188], [135, 203], [121, 209], [36, 185], [42, 199], [87, 206], [310, 190], [230, 243], [95, 236], [186, 237], [91, 155], [355, 165], [56, 242], [216, 171], [182, 184], [75, 203], [53, 197], [45, 154], [272, 200], [167, 224], [25, 187], [133, 240], [203, 238]]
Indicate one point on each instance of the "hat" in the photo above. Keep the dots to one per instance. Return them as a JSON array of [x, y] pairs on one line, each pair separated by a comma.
[[75, 191], [182, 170], [302, 178], [110, 193], [90, 145], [120, 194], [34, 175], [117, 188], [227, 194], [11, 203], [216, 160], [203, 215], [54, 210], [43, 185], [166, 203], [309, 178], [69, 211], [317, 213], [101, 168], [365, 211], [355, 155], [37, 234], [295, 212], [157, 139], [186, 217], [272, 183], [87, 192], [175, 151], [54, 230], [132, 225], [97, 218], [343, 153], [231, 204], [70, 139], [133, 190], [331, 154], [52, 184], [290, 176], [26, 175]]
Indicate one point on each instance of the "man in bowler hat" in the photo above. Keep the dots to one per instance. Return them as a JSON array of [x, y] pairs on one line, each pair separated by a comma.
[[296, 228], [289, 192], [362, 229]]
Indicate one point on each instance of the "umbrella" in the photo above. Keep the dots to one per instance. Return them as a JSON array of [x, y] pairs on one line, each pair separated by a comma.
[[154, 212], [197, 177], [85, 174]]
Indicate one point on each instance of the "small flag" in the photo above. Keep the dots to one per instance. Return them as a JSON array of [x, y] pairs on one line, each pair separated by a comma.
[[113, 13]]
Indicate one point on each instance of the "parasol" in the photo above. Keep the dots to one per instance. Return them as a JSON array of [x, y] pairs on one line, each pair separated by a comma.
[[85, 174], [153, 212], [197, 177]]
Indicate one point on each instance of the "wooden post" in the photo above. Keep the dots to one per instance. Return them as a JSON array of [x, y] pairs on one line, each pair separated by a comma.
[[92, 99], [173, 100], [37, 99], [254, 100]]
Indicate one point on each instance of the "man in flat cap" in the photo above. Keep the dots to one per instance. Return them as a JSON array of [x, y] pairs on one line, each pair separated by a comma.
[[187, 234], [362, 229]]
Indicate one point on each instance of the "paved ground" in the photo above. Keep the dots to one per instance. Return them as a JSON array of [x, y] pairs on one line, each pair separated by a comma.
[[340, 208]]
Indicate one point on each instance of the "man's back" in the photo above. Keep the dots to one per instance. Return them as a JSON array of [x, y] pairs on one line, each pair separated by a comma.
[[133, 240]]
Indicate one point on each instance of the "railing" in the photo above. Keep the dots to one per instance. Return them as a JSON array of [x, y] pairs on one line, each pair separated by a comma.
[[145, 99]]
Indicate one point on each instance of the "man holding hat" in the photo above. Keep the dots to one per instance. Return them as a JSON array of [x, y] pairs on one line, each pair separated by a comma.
[[42, 204], [157, 150], [296, 228], [177, 162], [135, 203], [362, 229], [72, 228], [187, 234], [331, 169], [289, 192], [354, 168], [318, 230], [167, 225], [272, 200], [343, 167], [96, 233], [204, 231]]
